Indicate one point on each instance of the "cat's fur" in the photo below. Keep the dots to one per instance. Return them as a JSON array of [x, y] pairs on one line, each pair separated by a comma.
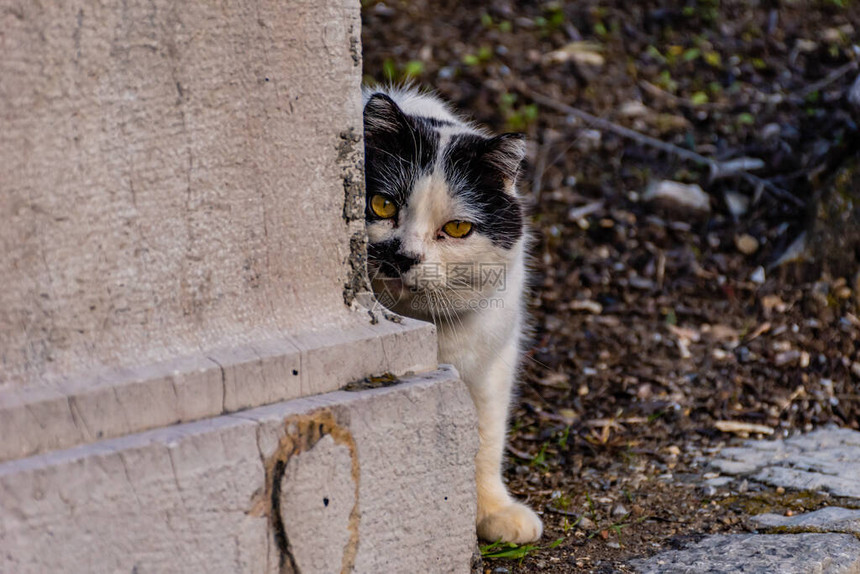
[[436, 167]]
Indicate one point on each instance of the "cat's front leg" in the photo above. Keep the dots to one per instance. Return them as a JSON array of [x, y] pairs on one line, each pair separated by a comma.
[[500, 517]]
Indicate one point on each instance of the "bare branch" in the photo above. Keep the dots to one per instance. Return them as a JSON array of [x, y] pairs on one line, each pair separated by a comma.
[[608, 126], [677, 101], [733, 167], [826, 80]]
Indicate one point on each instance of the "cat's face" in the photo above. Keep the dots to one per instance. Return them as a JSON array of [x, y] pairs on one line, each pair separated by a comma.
[[443, 217]]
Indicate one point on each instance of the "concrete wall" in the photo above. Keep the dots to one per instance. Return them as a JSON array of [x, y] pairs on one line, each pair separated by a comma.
[[181, 238], [179, 197], [168, 172]]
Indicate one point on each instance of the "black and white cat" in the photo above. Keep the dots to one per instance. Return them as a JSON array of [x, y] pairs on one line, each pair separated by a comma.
[[446, 243]]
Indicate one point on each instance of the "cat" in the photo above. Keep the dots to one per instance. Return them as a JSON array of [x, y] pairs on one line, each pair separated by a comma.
[[447, 241]]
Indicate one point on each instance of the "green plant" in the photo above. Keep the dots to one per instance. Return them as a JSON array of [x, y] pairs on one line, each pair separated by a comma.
[[517, 118], [389, 69], [671, 318], [562, 439], [398, 73], [746, 119], [539, 460], [567, 525], [551, 20], [589, 504], [713, 59], [483, 54], [561, 500], [499, 549], [699, 98], [665, 81], [691, 54], [706, 10], [655, 54]]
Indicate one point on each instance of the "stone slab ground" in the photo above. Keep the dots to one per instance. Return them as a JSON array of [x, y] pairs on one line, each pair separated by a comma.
[[827, 459], [829, 519], [760, 554], [824, 541]]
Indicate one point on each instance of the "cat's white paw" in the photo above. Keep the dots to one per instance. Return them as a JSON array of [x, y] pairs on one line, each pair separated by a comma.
[[515, 523]]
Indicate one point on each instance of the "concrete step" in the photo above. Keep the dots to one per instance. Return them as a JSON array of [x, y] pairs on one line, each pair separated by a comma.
[[378, 480], [37, 419]]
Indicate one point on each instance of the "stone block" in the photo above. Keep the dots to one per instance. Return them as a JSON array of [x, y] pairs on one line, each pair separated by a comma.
[[827, 459], [828, 519], [759, 554]]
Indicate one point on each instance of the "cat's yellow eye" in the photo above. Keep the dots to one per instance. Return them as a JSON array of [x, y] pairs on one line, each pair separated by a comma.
[[457, 229], [383, 207]]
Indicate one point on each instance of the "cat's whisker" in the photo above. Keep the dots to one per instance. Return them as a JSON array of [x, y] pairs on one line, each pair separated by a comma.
[[496, 336], [450, 320]]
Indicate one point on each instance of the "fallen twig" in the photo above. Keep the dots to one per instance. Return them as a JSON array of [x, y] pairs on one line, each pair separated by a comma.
[[518, 453], [555, 510], [576, 213], [608, 126], [739, 427], [658, 92], [550, 416], [826, 80], [758, 331], [733, 167]]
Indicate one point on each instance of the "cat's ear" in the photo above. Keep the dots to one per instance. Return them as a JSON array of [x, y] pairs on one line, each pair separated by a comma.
[[506, 153], [383, 116]]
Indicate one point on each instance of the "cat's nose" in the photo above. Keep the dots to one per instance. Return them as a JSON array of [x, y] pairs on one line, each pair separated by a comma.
[[404, 261]]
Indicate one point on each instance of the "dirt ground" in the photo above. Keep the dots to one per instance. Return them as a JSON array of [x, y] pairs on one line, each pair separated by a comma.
[[653, 325]]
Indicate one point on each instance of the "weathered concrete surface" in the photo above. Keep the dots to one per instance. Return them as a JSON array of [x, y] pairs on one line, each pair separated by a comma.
[[179, 234], [318, 492], [826, 459], [392, 486], [173, 178], [760, 554], [829, 519]]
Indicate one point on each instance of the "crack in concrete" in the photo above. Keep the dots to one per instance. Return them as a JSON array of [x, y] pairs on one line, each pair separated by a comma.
[[223, 385], [178, 403], [176, 479], [77, 417], [287, 560], [260, 507], [128, 478], [128, 426]]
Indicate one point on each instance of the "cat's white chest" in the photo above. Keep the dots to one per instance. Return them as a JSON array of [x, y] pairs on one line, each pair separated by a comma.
[[472, 342]]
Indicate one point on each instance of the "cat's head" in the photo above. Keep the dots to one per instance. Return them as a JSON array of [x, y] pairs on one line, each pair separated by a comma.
[[443, 216]]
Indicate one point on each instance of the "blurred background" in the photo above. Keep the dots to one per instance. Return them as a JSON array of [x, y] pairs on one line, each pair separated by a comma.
[[683, 297]]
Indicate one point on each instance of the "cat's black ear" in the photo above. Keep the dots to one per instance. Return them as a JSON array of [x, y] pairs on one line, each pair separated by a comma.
[[506, 153], [383, 116]]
